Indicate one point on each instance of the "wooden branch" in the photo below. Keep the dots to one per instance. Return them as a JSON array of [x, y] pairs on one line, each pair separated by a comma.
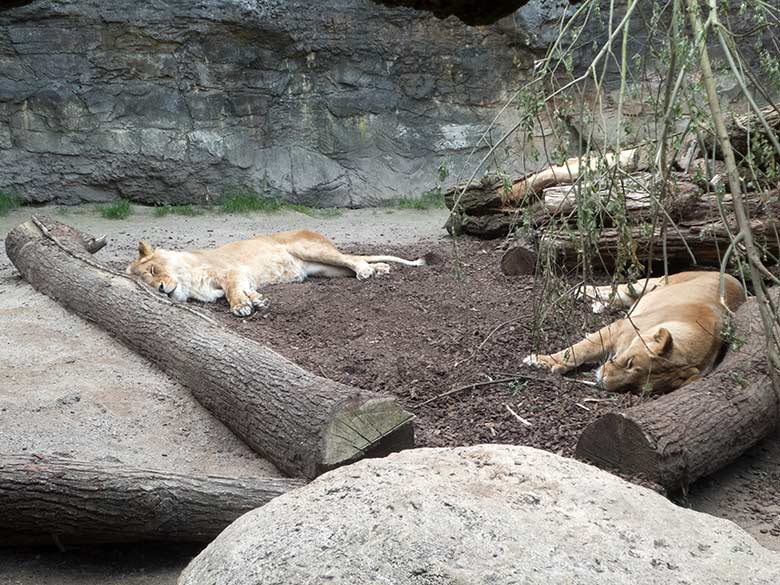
[[629, 160], [303, 423], [696, 430], [699, 227], [61, 501], [480, 197], [491, 194]]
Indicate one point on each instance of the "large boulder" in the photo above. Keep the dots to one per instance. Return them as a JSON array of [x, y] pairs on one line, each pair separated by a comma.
[[486, 514], [336, 102]]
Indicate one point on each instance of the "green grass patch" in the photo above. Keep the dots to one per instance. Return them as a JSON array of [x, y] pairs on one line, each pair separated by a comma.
[[251, 202], [428, 200], [188, 210], [117, 210], [8, 202], [322, 212]]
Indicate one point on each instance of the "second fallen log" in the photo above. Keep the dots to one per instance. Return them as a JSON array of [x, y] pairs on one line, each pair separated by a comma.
[[60, 501]]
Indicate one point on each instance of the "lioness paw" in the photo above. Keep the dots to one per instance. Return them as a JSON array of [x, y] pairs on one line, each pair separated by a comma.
[[545, 361], [364, 271], [242, 310], [260, 302], [531, 360], [380, 268]]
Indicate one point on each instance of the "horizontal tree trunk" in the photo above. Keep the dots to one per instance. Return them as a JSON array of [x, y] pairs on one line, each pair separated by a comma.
[[697, 429], [493, 193], [691, 243], [303, 423], [61, 501]]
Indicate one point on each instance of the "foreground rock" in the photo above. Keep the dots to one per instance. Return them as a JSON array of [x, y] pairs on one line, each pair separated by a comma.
[[486, 514]]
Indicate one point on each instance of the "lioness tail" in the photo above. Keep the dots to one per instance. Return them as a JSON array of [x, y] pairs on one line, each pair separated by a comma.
[[396, 259]]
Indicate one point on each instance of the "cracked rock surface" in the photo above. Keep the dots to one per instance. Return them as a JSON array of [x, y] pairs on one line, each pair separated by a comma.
[[486, 514], [334, 103]]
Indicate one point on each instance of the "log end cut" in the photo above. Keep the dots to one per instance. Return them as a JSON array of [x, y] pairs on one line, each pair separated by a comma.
[[616, 442], [518, 261], [372, 428]]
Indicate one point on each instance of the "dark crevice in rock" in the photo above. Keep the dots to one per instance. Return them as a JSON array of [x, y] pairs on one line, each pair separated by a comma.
[[8, 4], [472, 12]]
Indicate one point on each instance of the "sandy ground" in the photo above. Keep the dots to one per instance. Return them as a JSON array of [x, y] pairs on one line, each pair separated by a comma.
[[67, 388]]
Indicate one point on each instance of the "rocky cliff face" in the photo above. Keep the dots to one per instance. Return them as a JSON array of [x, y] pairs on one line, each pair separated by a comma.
[[338, 102]]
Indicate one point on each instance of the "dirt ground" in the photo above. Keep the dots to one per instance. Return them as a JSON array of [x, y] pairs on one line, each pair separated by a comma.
[[417, 333], [420, 332]]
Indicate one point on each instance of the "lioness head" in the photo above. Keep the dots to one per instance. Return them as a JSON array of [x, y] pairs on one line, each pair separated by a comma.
[[646, 364], [156, 270]]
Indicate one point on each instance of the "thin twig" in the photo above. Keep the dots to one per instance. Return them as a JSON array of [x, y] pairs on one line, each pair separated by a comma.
[[518, 417], [475, 385], [484, 341]]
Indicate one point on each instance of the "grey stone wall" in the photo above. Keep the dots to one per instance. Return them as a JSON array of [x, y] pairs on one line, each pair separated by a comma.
[[337, 102]]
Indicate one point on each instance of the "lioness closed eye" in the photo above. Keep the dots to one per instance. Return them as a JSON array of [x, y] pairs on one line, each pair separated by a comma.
[[237, 270], [672, 336]]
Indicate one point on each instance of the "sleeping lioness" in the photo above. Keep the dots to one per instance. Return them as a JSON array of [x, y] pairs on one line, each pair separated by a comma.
[[671, 336], [237, 270]]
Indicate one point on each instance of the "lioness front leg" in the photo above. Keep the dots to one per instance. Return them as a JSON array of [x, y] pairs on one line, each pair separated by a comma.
[[593, 348]]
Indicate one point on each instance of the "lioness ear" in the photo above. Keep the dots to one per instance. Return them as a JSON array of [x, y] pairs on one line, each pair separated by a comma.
[[663, 341], [144, 249]]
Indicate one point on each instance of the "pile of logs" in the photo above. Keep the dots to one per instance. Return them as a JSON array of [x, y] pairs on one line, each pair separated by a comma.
[[624, 205]]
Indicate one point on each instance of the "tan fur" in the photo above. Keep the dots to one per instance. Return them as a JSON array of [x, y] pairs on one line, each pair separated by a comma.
[[671, 336], [237, 270]]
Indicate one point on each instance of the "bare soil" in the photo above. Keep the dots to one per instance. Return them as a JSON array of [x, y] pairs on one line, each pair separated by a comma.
[[421, 332]]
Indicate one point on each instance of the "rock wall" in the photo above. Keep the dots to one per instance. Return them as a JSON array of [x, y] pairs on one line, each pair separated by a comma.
[[333, 103]]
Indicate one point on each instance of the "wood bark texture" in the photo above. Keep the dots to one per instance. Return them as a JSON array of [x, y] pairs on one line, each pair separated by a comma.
[[697, 429], [58, 501], [699, 238], [303, 423]]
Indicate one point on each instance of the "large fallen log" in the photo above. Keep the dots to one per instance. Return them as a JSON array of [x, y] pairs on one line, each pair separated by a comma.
[[303, 423], [690, 242], [695, 232], [694, 431], [58, 501], [616, 213]]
